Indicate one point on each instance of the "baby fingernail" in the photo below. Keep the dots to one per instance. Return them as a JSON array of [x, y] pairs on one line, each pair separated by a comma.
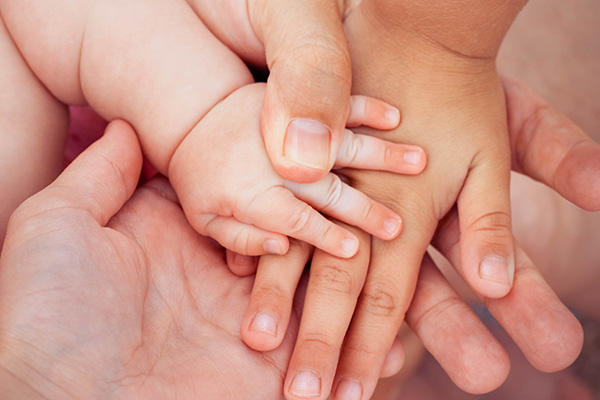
[[264, 322], [272, 246], [350, 246], [392, 226], [349, 389], [412, 157], [306, 384], [497, 269], [393, 115], [307, 143]]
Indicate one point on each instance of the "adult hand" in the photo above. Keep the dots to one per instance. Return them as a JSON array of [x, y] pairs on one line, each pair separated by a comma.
[[101, 296], [445, 324]]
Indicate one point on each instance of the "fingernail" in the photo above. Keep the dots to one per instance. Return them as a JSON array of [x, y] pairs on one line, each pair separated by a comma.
[[272, 246], [497, 269], [307, 143], [392, 226], [393, 115], [306, 384], [350, 246], [412, 157], [349, 389], [264, 322]]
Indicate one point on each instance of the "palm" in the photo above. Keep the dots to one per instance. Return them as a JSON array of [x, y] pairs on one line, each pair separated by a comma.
[[145, 308]]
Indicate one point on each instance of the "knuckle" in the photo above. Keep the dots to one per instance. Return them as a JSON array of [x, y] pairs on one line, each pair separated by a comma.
[[334, 192], [271, 292], [333, 278], [319, 342], [354, 148], [379, 302], [368, 211], [300, 221], [495, 223], [242, 241]]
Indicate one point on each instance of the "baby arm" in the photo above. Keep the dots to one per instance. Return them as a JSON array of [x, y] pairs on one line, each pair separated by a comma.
[[230, 191]]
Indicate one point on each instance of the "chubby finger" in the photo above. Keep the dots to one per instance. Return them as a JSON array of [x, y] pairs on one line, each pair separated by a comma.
[[368, 152], [547, 333], [486, 234], [335, 198], [549, 147], [295, 218], [367, 111], [267, 316], [454, 335], [241, 264], [103, 177], [239, 237], [333, 289], [308, 91]]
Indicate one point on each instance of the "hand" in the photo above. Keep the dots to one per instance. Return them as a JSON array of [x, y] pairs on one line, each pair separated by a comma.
[[132, 305], [304, 46], [447, 326], [230, 191]]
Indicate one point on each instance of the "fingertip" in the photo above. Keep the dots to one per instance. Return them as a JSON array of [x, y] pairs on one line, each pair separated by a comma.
[[241, 265], [394, 360], [496, 276], [261, 330]]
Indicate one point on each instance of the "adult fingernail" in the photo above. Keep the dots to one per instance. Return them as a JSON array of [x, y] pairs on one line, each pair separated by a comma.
[[348, 389], [412, 157], [306, 384], [350, 246], [498, 269], [272, 246], [307, 143], [393, 115], [264, 322], [392, 226]]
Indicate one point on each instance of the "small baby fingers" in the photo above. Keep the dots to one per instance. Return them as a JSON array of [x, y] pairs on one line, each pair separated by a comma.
[[339, 200], [368, 152]]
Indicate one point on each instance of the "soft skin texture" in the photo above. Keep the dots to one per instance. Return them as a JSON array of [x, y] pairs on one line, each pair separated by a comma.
[[243, 200], [156, 65], [154, 313]]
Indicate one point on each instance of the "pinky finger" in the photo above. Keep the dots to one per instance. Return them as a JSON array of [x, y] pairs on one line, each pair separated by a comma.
[[368, 152], [242, 238], [371, 112]]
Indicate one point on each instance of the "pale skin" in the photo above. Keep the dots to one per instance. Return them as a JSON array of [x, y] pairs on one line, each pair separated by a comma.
[[187, 310], [155, 77]]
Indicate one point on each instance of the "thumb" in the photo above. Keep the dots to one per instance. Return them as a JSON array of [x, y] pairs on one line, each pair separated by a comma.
[[102, 178], [308, 91]]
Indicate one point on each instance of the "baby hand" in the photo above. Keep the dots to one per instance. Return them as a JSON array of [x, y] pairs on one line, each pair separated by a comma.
[[230, 191]]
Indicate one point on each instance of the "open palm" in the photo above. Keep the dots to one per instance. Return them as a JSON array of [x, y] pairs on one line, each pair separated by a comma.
[[139, 306]]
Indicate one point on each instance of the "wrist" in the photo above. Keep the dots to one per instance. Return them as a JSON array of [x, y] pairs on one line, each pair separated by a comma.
[[469, 28]]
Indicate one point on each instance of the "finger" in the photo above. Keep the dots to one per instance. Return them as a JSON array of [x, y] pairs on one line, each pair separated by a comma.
[[333, 288], [240, 237], [486, 235], [368, 152], [308, 92], [267, 316], [339, 200], [454, 335], [371, 112], [549, 147], [379, 313], [297, 219], [103, 177], [240, 264], [394, 360], [547, 333]]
